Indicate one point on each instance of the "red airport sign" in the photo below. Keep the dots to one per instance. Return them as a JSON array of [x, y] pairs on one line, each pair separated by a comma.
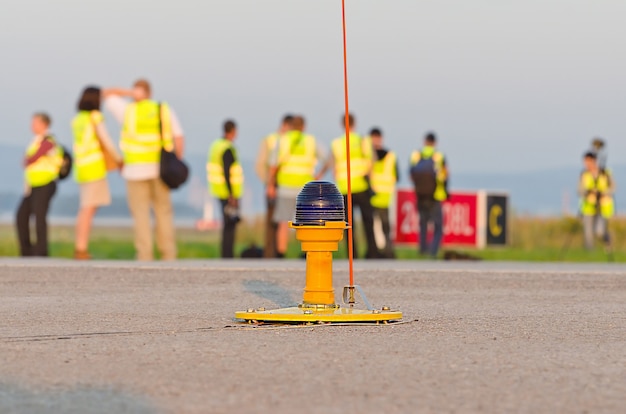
[[470, 219]]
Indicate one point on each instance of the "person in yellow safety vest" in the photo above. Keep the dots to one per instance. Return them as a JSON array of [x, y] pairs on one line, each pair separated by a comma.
[[225, 178], [596, 188], [42, 163], [361, 158], [383, 179], [293, 165], [262, 167], [429, 172], [145, 130], [91, 145]]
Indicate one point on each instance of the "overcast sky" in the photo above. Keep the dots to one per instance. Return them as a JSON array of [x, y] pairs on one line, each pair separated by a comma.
[[507, 85]]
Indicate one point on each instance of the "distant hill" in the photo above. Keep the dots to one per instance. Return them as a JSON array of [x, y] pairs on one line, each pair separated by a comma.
[[545, 192], [189, 200], [532, 192]]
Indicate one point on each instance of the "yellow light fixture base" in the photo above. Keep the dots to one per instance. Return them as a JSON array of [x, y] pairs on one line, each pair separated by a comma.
[[312, 314]]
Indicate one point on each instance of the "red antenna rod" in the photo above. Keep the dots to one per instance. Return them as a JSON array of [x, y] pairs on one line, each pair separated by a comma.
[[347, 126]]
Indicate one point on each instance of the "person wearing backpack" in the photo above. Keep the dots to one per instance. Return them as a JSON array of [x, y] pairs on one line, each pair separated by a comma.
[[42, 164], [596, 187], [429, 174]]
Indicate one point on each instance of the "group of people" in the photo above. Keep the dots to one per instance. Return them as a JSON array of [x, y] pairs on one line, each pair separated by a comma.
[[287, 159], [147, 127], [290, 157], [596, 188]]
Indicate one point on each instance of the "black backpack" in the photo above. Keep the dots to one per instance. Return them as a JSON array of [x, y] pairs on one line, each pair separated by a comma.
[[66, 166], [424, 177]]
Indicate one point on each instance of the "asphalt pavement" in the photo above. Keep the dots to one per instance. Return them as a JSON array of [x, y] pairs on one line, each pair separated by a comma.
[[126, 337]]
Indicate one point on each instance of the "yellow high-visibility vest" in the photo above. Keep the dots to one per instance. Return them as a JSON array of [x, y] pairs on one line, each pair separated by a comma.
[[440, 169], [89, 162], [383, 180], [215, 171], [360, 163], [296, 159], [46, 169], [590, 203], [142, 138]]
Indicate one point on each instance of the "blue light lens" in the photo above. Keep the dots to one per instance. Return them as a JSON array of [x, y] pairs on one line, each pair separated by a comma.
[[318, 202]]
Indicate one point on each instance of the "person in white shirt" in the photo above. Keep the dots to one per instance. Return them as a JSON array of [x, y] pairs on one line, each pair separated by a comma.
[[147, 126], [262, 168]]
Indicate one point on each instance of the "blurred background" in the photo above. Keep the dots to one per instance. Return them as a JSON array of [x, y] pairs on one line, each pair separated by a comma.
[[514, 90]]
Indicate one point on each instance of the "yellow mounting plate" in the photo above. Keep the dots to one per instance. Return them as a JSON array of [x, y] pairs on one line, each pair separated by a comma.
[[297, 314]]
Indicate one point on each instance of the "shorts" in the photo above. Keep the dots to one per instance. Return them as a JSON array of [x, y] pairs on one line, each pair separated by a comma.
[[95, 193], [285, 209]]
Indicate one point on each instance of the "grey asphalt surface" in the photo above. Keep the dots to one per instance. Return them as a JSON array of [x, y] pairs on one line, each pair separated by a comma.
[[115, 337]]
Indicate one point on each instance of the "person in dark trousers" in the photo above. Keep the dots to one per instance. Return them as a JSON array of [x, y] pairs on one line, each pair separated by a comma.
[[360, 165], [42, 163], [225, 177], [383, 180], [429, 173]]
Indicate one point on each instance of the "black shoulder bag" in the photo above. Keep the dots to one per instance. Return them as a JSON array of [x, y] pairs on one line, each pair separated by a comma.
[[173, 171]]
